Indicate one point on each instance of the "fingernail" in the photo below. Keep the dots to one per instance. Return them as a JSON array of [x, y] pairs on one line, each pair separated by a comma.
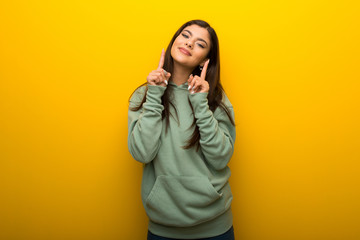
[[166, 82], [165, 71], [192, 92], [193, 87], [189, 87]]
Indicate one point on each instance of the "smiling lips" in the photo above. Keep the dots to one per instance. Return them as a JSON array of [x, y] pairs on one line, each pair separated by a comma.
[[183, 50]]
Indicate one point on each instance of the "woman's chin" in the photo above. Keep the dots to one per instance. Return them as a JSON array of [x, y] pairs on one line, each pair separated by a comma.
[[183, 63]]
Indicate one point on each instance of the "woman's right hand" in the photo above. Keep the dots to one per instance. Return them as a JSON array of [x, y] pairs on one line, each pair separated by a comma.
[[159, 77]]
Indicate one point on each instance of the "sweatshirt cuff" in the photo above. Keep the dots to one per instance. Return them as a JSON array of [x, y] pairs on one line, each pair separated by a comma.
[[200, 105], [155, 93]]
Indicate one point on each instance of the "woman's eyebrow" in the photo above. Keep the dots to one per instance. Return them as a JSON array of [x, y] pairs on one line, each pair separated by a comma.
[[198, 38]]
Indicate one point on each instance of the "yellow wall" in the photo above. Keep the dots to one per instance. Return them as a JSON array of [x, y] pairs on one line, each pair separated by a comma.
[[67, 68]]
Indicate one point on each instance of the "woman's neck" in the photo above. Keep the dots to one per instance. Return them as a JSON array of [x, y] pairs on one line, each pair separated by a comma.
[[180, 74]]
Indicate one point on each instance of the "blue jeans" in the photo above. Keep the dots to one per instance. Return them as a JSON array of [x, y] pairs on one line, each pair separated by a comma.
[[229, 235]]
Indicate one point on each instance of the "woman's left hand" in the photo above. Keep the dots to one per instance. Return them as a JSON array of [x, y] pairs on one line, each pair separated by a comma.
[[199, 84]]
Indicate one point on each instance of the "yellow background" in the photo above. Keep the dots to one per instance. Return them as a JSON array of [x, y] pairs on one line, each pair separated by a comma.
[[67, 68]]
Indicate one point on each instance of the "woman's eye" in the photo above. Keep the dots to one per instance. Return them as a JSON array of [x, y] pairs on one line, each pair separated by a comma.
[[186, 36]]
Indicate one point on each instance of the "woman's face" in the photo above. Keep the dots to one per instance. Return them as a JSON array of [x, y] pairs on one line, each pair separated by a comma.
[[191, 47]]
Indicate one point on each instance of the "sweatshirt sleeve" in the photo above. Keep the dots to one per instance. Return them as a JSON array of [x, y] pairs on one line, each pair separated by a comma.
[[145, 125], [217, 134]]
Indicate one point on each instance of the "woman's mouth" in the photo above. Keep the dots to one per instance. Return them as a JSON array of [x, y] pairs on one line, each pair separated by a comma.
[[184, 51]]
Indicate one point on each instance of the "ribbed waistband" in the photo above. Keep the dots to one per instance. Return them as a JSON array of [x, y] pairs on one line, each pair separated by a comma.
[[211, 228]]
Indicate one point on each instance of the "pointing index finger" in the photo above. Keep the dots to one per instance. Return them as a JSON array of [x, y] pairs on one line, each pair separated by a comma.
[[203, 72], [162, 59]]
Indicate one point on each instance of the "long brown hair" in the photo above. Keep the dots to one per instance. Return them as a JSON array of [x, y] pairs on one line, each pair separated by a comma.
[[216, 91]]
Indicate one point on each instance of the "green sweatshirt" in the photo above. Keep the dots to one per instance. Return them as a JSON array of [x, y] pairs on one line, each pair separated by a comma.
[[185, 193]]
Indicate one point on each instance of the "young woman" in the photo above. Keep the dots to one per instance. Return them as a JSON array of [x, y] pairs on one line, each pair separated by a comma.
[[181, 127]]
